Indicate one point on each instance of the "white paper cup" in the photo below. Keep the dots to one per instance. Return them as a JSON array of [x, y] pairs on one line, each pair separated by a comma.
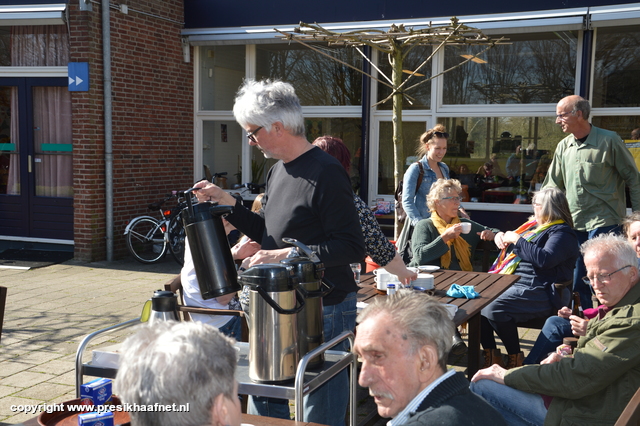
[[466, 227]]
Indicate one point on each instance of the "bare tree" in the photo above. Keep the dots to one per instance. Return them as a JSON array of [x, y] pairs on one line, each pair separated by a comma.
[[396, 44]]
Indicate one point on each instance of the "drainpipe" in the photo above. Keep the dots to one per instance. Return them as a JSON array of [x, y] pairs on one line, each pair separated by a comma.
[[108, 135]]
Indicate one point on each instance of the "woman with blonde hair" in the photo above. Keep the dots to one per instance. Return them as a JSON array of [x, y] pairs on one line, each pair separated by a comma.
[[439, 240]]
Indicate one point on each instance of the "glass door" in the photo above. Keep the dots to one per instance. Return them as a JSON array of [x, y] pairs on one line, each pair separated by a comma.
[[36, 156]]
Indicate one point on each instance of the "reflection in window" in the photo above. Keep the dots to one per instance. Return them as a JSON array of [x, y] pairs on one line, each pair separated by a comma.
[[533, 68], [221, 74], [411, 132], [418, 97], [222, 151], [5, 46], [500, 158], [317, 79], [347, 129], [39, 45], [621, 124], [617, 67]]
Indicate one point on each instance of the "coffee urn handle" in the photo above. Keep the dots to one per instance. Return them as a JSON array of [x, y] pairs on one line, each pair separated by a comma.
[[279, 309], [326, 287], [312, 255]]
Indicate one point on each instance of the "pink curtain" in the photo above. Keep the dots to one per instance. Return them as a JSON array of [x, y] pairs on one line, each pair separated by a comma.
[[44, 45]]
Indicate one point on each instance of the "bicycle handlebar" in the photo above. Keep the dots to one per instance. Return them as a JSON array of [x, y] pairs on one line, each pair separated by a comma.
[[158, 204]]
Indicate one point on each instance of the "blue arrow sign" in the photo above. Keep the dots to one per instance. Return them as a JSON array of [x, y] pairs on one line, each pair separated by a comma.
[[78, 76]]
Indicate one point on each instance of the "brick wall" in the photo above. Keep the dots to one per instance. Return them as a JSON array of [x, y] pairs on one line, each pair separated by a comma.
[[152, 110]]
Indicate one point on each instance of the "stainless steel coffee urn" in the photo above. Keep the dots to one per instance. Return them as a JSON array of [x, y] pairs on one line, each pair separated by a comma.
[[310, 319], [164, 307], [274, 301]]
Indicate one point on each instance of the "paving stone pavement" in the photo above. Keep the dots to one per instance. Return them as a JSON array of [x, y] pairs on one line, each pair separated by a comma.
[[49, 310]]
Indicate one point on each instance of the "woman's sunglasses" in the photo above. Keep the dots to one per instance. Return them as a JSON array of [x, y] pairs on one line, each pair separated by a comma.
[[441, 134]]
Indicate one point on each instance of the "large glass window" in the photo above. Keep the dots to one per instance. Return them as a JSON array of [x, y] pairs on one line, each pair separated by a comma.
[[222, 69], [411, 132], [347, 129], [222, 151], [501, 158], [623, 125], [34, 45], [532, 68], [318, 80], [417, 89], [617, 67]]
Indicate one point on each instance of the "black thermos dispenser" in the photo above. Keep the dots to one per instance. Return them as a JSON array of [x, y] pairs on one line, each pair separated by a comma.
[[209, 247]]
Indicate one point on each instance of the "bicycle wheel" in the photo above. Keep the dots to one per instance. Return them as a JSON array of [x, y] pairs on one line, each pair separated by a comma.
[[176, 239], [145, 240]]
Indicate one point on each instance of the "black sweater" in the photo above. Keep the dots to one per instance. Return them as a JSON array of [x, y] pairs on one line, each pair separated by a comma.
[[310, 199]]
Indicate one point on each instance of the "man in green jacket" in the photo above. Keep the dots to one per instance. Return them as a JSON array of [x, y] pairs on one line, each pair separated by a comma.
[[594, 385], [591, 166]]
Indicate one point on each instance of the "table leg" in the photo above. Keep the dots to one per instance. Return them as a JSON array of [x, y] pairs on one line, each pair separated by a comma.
[[473, 354]]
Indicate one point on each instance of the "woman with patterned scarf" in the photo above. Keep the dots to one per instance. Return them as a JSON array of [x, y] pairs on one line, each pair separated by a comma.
[[542, 251], [439, 240]]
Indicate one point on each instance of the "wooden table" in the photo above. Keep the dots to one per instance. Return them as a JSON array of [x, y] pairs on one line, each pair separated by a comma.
[[490, 286], [246, 418]]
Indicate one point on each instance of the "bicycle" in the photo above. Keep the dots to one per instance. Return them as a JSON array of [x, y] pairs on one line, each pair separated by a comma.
[[149, 239]]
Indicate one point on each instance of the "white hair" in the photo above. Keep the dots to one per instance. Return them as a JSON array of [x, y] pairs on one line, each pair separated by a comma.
[[176, 362]]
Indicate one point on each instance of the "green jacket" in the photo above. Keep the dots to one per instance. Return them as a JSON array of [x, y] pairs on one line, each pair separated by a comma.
[[593, 176], [594, 386], [428, 247]]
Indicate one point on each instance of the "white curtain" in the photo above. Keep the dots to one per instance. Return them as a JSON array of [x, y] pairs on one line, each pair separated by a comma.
[[52, 125]]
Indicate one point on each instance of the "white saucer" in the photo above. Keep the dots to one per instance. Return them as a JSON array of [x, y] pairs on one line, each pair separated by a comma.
[[428, 268]]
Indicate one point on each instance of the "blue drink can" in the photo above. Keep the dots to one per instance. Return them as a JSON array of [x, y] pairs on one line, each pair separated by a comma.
[[391, 289]]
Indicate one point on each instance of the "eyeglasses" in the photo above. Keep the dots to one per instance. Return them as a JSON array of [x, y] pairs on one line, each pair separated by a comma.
[[441, 134], [603, 278], [251, 135], [564, 114], [458, 199]]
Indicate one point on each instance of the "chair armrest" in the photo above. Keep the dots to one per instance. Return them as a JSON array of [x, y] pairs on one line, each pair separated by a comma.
[[210, 311], [174, 284]]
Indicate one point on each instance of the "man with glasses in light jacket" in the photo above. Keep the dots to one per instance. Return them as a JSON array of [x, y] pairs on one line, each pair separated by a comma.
[[592, 166]]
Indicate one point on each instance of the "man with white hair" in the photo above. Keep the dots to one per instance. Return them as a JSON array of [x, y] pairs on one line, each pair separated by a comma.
[[594, 385], [308, 197], [179, 364], [403, 342]]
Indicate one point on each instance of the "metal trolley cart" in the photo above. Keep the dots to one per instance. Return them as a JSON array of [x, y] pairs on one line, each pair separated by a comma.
[[304, 383]]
